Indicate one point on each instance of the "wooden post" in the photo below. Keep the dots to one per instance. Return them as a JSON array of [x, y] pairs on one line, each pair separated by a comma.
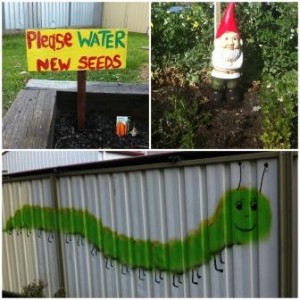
[[217, 15], [81, 98]]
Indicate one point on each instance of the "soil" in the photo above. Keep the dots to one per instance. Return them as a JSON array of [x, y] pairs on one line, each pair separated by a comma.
[[232, 126], [98, 133], [99, 130], [218, 126]]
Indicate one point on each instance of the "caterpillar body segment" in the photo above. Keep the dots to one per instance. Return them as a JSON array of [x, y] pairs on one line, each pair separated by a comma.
[[242, 215]]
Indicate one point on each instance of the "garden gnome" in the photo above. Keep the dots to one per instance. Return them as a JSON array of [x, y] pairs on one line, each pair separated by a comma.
[[227, 58]]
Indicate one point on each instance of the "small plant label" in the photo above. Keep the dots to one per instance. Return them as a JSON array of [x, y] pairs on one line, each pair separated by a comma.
[[122, 125], [76, 49]]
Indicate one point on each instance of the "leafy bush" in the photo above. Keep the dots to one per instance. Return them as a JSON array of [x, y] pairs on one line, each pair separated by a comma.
[[34, 289], [182, 38], [279, 106], [185, 38], [175, 129], [270, 34], [182, 44]]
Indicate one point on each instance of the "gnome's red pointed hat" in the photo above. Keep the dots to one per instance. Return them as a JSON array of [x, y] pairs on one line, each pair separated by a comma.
[[228, 22]]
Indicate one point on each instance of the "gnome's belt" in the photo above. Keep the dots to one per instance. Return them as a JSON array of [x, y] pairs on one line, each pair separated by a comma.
[[226, 71]]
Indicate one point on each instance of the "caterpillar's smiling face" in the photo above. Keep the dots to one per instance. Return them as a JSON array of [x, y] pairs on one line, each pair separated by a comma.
[[250, 214], [245, 214]]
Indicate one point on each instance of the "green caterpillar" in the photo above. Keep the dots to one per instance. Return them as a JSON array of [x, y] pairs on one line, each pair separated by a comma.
[[242, 215]]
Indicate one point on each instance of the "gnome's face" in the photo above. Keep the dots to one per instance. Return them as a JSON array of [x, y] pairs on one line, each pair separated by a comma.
[[228, 40]]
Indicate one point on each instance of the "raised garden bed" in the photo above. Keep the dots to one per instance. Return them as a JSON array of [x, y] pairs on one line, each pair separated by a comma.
[[57, 105]]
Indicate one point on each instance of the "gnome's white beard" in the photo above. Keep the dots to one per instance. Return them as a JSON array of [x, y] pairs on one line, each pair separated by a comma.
[[230, 55], [224, 60]]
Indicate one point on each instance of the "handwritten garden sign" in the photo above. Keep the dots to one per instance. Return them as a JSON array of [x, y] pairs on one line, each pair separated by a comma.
[[76, 49]]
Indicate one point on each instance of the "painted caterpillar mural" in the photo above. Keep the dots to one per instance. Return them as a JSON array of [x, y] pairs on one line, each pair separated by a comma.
[[242, 215]]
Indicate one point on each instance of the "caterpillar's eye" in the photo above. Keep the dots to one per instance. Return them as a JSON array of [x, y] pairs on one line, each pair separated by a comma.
[[239, 205], [253, 205]]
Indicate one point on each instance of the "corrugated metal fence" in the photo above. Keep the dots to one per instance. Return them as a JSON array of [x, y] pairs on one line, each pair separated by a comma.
[[20, 161], [22, 15], [164, 205]]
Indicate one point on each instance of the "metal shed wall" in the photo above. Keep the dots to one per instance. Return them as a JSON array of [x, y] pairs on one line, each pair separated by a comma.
[[131, 15], [151, 203], [23, 15]]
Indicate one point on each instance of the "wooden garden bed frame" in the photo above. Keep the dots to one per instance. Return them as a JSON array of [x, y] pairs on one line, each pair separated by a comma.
[[29, 123]]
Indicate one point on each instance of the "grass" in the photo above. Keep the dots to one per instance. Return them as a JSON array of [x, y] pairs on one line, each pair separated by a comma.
[[15, 73]]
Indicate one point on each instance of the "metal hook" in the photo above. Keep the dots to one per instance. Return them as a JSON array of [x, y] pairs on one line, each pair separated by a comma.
[[28, 233], [10, 231], [19, 231]]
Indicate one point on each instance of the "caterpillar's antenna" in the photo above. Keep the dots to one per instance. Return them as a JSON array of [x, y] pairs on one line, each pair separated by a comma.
[[240, 165], [266, 169]]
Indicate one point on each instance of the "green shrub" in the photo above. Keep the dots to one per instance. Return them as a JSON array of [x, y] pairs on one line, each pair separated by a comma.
[[182, 38], [270, 34], [279, 106], [175, 128], [185, 39], [182, 45], [34, 289]]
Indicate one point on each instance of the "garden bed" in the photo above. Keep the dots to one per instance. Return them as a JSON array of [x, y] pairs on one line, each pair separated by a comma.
[[99, 131], [192, 121], [45, 116]]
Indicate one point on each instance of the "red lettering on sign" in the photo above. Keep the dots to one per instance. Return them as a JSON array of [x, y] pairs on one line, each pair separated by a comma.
[[117, 62], [52, 41], [99, 63], [53, 64]]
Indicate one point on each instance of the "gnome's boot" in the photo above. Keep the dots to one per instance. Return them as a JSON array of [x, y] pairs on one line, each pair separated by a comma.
[[232, 95], [216, 96]]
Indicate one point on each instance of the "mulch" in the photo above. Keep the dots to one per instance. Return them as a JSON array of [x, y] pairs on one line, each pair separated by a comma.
[[98, 133]]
